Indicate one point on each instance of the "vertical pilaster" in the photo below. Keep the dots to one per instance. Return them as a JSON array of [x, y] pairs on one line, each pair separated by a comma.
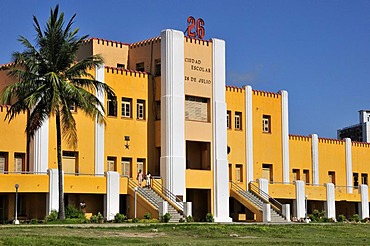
[[349, 173], [220, 163], [249, 133], [173, 112], [112, 196], [52, 201], [286, 211], [263, 185], [315, 158], [285, 135], [364, 205], [99, 128], [266, 211], [39, 149], [300, 199], [330, 201]]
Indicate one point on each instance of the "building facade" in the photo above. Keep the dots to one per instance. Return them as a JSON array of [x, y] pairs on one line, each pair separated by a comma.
[[210, 148]]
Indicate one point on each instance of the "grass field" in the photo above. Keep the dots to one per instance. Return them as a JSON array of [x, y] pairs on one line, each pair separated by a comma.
[[189, 234]]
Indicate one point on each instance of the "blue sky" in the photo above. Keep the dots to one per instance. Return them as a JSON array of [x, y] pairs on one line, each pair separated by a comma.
[[319, 51]]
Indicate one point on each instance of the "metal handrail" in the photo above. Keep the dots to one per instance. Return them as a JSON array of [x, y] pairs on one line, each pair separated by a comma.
[[167, 195], [135, 186], [275, 204]]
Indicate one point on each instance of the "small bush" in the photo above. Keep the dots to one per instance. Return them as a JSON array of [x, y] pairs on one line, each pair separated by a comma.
[[119, 218], [34, 221], [165, 218], [135, 220], [147, 216], [181, 220], [209, 218], [355, 218], [189, 219], [98, 219], [53, 216], [74, 213], [341, 218], [318, 216]]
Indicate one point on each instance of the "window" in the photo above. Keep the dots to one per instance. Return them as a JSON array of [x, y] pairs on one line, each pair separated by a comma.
[[157, 110], [140, 66], [140, 165], [196, 108], [157, 67], [3, 162], [306, 176], [266, 124], [111, 163], [112, 105], [267, 172], [239, 172], [228, 119], [126, 166], [331, 175], [119, 65], [140, 109], [18, 162], [296, 175], [70, 162], [355, 179], [126, 107], [238, 120], [230, 171], [364, 178], [73, 108]]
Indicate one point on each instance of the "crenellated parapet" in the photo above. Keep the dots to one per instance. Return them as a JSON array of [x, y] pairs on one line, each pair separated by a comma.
[[145, 42], [266, 94], [361, 144], [299, 137], [123, 71], [234, 89], [197, 41], [331, 141], [105, 42]]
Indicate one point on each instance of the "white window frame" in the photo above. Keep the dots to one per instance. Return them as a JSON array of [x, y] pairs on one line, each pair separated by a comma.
[[140, 109], [238, 121], [126, 112]]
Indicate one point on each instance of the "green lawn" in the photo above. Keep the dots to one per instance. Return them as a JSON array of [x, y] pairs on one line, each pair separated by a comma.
[[189, 234]]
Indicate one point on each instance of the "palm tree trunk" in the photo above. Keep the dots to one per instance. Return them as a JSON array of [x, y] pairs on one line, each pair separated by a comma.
[[61, 213]]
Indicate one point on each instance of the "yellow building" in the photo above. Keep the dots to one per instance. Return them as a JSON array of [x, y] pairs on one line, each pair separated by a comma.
[[210, 148]]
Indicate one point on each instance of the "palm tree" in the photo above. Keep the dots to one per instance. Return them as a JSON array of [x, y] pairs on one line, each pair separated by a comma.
[[50, 81]]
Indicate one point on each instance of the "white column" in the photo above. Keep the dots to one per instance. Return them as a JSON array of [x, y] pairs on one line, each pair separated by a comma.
[[52, 198], [39, 149], [266, 211], [349, 173], [315, 158], [220, 163], [249, 133], [285, 135], [112, 196], [188, 209], [263, 184], [163, 208], [99, 128], [173, 112], [286, 211], [364, 205], [300, 199], [330, 201]]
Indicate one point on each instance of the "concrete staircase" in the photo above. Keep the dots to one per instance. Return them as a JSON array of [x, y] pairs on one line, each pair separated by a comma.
[[258, 203], [154, 198]]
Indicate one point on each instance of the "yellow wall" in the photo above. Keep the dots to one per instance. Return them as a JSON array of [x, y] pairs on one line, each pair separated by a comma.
[[300, 156], [132, 85]]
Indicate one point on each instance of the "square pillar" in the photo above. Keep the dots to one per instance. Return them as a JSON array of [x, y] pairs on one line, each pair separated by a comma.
[[364, 205], [300, 205], [111, 199], [330, 201]]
